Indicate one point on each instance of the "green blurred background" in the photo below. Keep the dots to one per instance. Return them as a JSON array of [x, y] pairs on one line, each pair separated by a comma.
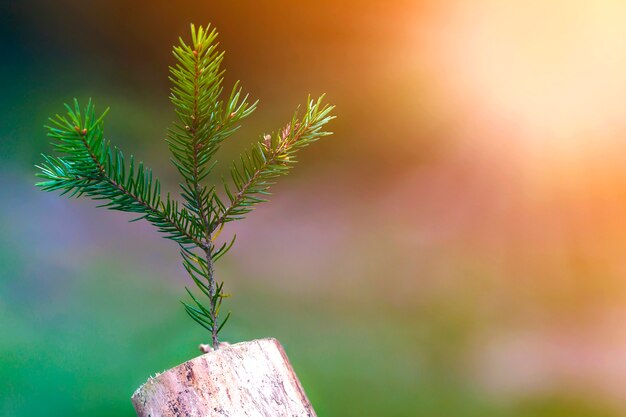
[[455, 250]]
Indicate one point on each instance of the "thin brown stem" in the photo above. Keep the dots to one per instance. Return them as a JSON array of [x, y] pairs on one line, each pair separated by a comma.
[[202, 212], [213, 299]]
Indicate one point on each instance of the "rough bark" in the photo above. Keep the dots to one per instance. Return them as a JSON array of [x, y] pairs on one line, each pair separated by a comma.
[[246, 379]]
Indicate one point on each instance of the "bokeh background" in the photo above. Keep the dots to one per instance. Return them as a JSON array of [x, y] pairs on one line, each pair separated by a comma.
[[457, 248]]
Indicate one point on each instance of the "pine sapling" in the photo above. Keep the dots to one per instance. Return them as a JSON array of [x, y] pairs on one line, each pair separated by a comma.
[[88, 165]]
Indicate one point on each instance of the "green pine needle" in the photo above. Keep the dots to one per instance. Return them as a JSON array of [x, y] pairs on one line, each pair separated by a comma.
[[87, 165]]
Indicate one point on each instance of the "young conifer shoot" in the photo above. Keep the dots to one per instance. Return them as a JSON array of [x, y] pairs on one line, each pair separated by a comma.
[[87, 164]]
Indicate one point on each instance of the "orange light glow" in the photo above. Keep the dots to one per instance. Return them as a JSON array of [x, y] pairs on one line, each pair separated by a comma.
[[546, 77]]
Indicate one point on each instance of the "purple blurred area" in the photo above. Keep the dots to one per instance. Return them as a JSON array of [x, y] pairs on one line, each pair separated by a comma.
[[455, 249]]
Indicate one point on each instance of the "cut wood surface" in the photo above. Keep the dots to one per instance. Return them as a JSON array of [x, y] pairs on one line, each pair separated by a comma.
[[245, 379]]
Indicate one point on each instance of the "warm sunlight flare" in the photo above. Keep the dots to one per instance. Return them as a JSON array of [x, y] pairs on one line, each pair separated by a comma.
[[543, 77]]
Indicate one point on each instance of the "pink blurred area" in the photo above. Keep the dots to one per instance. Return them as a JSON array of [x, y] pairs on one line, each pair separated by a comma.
[[495, 173]]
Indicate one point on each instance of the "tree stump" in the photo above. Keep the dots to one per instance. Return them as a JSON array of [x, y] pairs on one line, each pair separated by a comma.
[[245, 379]]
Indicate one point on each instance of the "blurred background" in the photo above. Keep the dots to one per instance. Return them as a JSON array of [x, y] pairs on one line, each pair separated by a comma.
[[456, 249]]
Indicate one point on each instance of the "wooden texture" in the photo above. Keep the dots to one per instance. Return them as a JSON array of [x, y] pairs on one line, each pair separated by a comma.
[[246, 379]]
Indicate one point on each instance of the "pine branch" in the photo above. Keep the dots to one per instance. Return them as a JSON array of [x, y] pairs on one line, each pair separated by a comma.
[[91, 167], [204, 122], [269, 159], [204, 119]]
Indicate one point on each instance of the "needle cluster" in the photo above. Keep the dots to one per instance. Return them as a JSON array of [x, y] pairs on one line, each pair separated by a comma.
[[86, 164]]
